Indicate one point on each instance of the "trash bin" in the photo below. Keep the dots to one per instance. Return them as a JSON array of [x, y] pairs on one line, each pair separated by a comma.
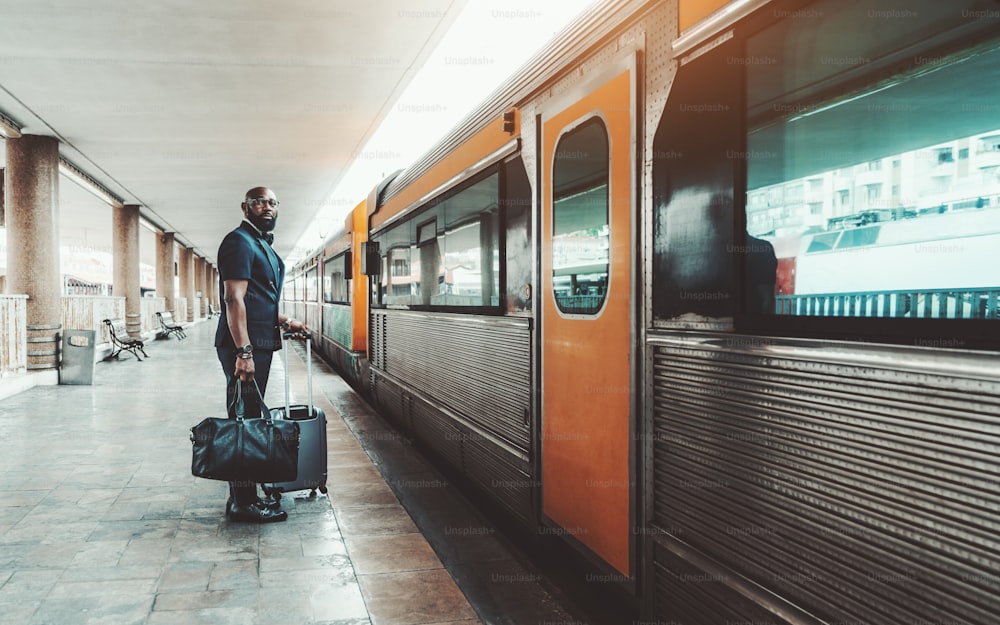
[[78, 349]]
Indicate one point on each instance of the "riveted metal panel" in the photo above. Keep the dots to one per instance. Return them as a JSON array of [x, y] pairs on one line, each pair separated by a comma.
[[858, 483]]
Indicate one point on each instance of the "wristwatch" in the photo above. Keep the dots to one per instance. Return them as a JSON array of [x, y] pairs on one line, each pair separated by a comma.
[[286, 325], [246, 351]]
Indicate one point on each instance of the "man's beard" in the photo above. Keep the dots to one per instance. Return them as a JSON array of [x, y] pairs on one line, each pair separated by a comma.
[[263, 224]]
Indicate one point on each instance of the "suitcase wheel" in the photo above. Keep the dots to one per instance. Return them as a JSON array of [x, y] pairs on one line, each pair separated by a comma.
[[322, 489]]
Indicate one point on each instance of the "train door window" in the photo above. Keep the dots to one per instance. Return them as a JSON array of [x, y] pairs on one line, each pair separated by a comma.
[[580, 226], [893, 122], [336, 288], [327, 286]]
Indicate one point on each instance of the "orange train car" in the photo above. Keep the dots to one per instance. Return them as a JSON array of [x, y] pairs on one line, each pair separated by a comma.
[[584, 302]]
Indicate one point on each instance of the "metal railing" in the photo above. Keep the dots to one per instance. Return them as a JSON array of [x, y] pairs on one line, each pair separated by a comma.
[[918, 304], [13, 335]]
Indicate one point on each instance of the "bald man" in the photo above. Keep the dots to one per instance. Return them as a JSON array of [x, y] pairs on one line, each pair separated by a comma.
[[250, 278]]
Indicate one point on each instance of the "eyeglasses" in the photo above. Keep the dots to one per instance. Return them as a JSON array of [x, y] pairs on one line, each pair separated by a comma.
[[257, 202]]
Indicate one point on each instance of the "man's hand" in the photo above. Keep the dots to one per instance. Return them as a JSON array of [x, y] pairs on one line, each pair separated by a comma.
[[296, 330], [244, 369]]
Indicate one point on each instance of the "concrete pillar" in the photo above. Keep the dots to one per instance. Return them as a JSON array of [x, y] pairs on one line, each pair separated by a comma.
[[165, 252], [185, 274], [31, 198], [125, 252], [199, 286]]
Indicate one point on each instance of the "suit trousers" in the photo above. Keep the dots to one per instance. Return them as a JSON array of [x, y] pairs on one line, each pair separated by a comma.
[[245, 493]]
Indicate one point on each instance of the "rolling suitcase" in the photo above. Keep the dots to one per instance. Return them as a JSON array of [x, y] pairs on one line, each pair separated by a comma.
[[312, 436]]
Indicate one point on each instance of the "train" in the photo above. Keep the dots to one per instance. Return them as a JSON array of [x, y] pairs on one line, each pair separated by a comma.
[[574, 303]]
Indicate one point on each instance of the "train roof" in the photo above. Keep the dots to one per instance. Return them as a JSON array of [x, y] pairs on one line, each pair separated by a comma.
[[589, 29]]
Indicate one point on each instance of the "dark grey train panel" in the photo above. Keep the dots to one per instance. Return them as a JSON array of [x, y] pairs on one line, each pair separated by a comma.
[[859, 486], [436, 429], [461, 384], [690, 593]]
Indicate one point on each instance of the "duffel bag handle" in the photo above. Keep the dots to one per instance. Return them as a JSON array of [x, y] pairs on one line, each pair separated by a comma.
[[238, 408]]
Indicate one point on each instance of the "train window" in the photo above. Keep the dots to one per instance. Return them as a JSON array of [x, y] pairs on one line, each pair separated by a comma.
[[395, 282], [427, 232], [428, 270], [580, 228], [310, 285], [516, 206], [336, 288], [694, 152], [447, 255], [872, 167]]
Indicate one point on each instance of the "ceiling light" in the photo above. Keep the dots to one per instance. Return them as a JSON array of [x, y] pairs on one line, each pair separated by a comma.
[[77, 175], [9, 129]]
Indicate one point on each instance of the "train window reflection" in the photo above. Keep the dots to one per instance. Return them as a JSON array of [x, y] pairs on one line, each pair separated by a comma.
[[447, 255], [311, 283], [580, 228], [336, 288], [876, 177]]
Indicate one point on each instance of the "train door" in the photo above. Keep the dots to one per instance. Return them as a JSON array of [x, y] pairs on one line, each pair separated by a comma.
[[586, 227]]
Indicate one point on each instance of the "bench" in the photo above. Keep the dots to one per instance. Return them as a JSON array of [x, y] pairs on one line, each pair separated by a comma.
[[169, 326], [121, 341]]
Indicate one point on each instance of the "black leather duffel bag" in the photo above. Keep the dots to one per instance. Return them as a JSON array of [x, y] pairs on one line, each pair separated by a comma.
[[258, 449]]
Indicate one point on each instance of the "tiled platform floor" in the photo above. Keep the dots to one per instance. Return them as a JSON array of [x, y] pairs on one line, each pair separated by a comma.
[[101, 521]]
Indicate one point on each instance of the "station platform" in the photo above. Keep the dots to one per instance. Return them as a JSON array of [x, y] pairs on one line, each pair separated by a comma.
[[101, 521]]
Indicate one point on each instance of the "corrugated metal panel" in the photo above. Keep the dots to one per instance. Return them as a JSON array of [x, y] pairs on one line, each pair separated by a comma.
[[687, 594], [505, 476], [376, 349], [499, 472], [860, 492], [478, 368], [389, 400], [461, 385], [437, 431]]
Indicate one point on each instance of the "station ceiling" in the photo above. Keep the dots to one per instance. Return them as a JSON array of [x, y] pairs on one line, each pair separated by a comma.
[[180, 106]]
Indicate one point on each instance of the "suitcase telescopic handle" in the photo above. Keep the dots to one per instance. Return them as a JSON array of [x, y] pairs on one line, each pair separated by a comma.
[[309, 374]]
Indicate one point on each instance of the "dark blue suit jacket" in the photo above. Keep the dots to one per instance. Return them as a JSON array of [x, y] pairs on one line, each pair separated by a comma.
[[243, 255]]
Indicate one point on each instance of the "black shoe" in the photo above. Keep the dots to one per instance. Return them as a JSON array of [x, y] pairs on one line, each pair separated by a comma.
[[254, 513], [270, 502]]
